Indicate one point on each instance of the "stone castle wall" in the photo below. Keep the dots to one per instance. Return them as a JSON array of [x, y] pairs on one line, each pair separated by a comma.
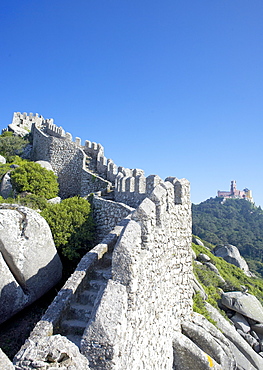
[[26, 121], [65, 158], [107, 214], [150, 293], [68, 162]]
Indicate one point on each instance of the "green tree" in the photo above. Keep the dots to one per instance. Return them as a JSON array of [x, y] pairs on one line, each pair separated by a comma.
[[71, 225], [33, 178]]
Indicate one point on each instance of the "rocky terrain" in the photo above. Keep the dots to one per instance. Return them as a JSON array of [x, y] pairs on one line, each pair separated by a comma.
[[236, 312]]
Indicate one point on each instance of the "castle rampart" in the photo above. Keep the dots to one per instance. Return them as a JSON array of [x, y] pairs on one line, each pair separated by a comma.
[[68, 162], [26, 121], [83, 169], [149, 294], [149, 291], [152, 261], [52, 129]]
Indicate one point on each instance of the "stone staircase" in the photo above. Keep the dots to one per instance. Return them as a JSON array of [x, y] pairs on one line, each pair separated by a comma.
[[85, 302]]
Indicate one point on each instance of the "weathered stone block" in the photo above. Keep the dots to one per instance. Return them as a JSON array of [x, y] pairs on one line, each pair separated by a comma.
[[31, 263]]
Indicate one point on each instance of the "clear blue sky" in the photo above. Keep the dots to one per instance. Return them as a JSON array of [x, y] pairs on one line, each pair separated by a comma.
[[173, 87]]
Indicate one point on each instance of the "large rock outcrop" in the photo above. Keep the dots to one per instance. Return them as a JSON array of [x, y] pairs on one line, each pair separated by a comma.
[[245, 304], [17, 130], [54, 352], [6, 188], [29, 263], [245, 356], [2, 159], [201, 346], [231, 254]]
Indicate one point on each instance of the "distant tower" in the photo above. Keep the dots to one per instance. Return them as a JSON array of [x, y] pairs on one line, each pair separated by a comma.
[[233, 187]]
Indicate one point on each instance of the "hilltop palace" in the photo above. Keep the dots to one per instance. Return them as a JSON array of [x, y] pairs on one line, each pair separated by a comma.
[[235, 193]]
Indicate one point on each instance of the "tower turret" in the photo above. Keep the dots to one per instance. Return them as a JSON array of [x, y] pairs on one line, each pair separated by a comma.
[[233, 187]]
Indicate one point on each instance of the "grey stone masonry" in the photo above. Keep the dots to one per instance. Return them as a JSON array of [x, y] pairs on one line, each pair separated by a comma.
[[68, 161], [25, 120], [80, 169], [107, 214], [129, 295], [150, 293]]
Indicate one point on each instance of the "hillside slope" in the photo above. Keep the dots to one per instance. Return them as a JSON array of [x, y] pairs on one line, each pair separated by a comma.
[[233, 221]]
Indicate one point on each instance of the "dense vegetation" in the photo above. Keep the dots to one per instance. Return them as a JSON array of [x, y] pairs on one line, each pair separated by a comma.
[[234, 221], [71, 225], [33, 178]]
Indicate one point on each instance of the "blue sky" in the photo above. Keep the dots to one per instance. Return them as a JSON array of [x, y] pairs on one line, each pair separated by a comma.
[[173, 87]]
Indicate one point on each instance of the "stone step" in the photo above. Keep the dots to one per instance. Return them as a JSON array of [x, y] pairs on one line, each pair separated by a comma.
[[97, 284], [87, 297], [102, 273], [105, 262], [75, 327], [81, 306], [80, 311]]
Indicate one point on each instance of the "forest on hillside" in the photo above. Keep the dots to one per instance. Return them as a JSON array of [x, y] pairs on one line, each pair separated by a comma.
[[231, 221]]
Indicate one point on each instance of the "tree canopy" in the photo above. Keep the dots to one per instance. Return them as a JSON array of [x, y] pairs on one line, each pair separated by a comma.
[[233, 221]]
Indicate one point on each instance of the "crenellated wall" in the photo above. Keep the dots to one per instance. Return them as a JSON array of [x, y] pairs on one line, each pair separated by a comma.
[[131, 188], [26, 121], [81, 169], [150, 293], [68, 161]]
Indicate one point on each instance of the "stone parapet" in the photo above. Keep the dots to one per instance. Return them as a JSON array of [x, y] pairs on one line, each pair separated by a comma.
[[107, 214], [150, 292]]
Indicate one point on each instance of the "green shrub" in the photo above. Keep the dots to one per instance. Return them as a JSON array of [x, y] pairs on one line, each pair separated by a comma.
[[6, 134], [199, 307], [33, 178], [29, 200], [71, 225], [12, 145], [5, 167], [32, 201]]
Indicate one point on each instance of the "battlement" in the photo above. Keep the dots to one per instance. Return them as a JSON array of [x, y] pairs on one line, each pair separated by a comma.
[[25, 120], [25, 115], [93, 148], [54, 130], [131, 190], [95, 171]]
